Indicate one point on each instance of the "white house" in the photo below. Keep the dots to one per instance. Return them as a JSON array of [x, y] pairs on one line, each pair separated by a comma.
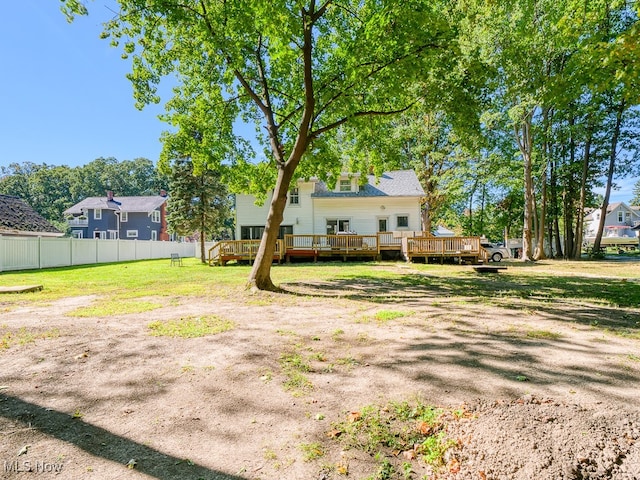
[[619, 223], [389, 203]]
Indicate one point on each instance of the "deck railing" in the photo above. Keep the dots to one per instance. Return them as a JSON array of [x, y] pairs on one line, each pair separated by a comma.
[[447, 246], [346, 243], [245, 249]]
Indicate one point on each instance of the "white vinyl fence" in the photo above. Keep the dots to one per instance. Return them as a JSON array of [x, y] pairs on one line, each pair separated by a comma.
[[26, 253]]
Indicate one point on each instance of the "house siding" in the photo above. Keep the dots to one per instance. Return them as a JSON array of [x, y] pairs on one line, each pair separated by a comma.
[[299, 216], [311, 214], [364, 213]]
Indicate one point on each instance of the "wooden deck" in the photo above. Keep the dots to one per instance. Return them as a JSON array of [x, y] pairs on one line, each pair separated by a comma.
[[461, 249]]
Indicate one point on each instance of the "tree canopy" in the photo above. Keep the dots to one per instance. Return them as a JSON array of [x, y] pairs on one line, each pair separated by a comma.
[[299, 69]]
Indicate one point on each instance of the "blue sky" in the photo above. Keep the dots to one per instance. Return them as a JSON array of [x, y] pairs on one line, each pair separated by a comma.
[[63, 92], [64, 97]]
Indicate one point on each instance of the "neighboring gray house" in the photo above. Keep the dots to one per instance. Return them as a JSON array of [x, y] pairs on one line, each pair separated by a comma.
[[620, 220], [141, 218], [19, 219], [389, 203]]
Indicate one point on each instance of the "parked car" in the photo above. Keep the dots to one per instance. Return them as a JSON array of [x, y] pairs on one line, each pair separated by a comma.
[[496, 252]]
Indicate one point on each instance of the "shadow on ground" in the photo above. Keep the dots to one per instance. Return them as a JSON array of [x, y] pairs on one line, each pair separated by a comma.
[[102, 443]]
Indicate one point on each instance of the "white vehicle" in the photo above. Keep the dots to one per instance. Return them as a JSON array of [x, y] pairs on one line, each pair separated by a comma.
[[496, 253]]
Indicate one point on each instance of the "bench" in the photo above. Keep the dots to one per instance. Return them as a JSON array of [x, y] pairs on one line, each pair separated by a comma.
[[175, 259], [488, 268]]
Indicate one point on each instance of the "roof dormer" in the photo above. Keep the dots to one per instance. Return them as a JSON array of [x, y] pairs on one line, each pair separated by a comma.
[[347, 184]]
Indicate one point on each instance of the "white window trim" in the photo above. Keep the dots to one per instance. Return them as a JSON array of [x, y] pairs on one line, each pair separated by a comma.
[[97, 214], [378, 222], [124, 217], [397, 223], [154, 235], [77, 233], [155, 216], [294, 193], [345, 185], [132, 233]]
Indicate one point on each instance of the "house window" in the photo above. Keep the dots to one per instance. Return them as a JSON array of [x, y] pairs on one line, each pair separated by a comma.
[[620, 217], [402, 221], [294, 196], [97, 214], [345, 185], [154, 235], [132, 233], [124, 216], [113, 234], [155, 216], [337, 225], [77, 234], [251, 232]]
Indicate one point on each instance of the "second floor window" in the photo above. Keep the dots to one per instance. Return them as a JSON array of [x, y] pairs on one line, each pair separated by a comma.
[[97, 214], [345, 185], [294, 196], [155, 216], [620, 217], [124, 217]]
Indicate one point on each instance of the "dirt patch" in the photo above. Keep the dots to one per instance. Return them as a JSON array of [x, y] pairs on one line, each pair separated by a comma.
[[545, 394]]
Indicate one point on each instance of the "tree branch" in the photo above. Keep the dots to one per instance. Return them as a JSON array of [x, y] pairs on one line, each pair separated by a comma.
[[370, 113]]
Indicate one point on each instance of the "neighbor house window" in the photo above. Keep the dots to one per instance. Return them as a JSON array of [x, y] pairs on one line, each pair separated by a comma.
[[155, 216], [620, 217], [132, 233], [345, 185], [97, 214], [402, 221], [124, 216], [154, 235], [294, 196]]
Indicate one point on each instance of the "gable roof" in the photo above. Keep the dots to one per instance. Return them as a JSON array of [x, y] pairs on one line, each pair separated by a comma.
[[18, 218], [123, 204], [612, 207], [398, 183]]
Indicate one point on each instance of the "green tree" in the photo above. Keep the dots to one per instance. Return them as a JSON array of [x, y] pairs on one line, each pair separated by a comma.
[[300, 69], [636, 194], [198, 202]]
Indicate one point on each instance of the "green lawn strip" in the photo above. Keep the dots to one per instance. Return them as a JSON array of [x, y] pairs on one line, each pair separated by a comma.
[[24, 336], [191, 327]]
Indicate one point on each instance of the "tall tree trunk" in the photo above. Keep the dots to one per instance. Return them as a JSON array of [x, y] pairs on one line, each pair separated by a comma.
[[524, 139], [260, 276], [610, 172], [577, 251], [553, 184]]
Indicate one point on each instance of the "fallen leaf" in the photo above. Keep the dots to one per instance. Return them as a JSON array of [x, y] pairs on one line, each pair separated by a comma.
[[482, 475], [453, 465], [23, 450], [409, 454], [424, 428], [335, 433], [354, 416]]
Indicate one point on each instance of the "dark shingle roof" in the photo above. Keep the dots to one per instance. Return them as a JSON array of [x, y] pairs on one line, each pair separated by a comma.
[[17, 217], [399, 183], [124, 204]]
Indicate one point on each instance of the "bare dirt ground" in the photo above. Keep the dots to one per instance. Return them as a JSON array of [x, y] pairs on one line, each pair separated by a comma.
[[546, 395]]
